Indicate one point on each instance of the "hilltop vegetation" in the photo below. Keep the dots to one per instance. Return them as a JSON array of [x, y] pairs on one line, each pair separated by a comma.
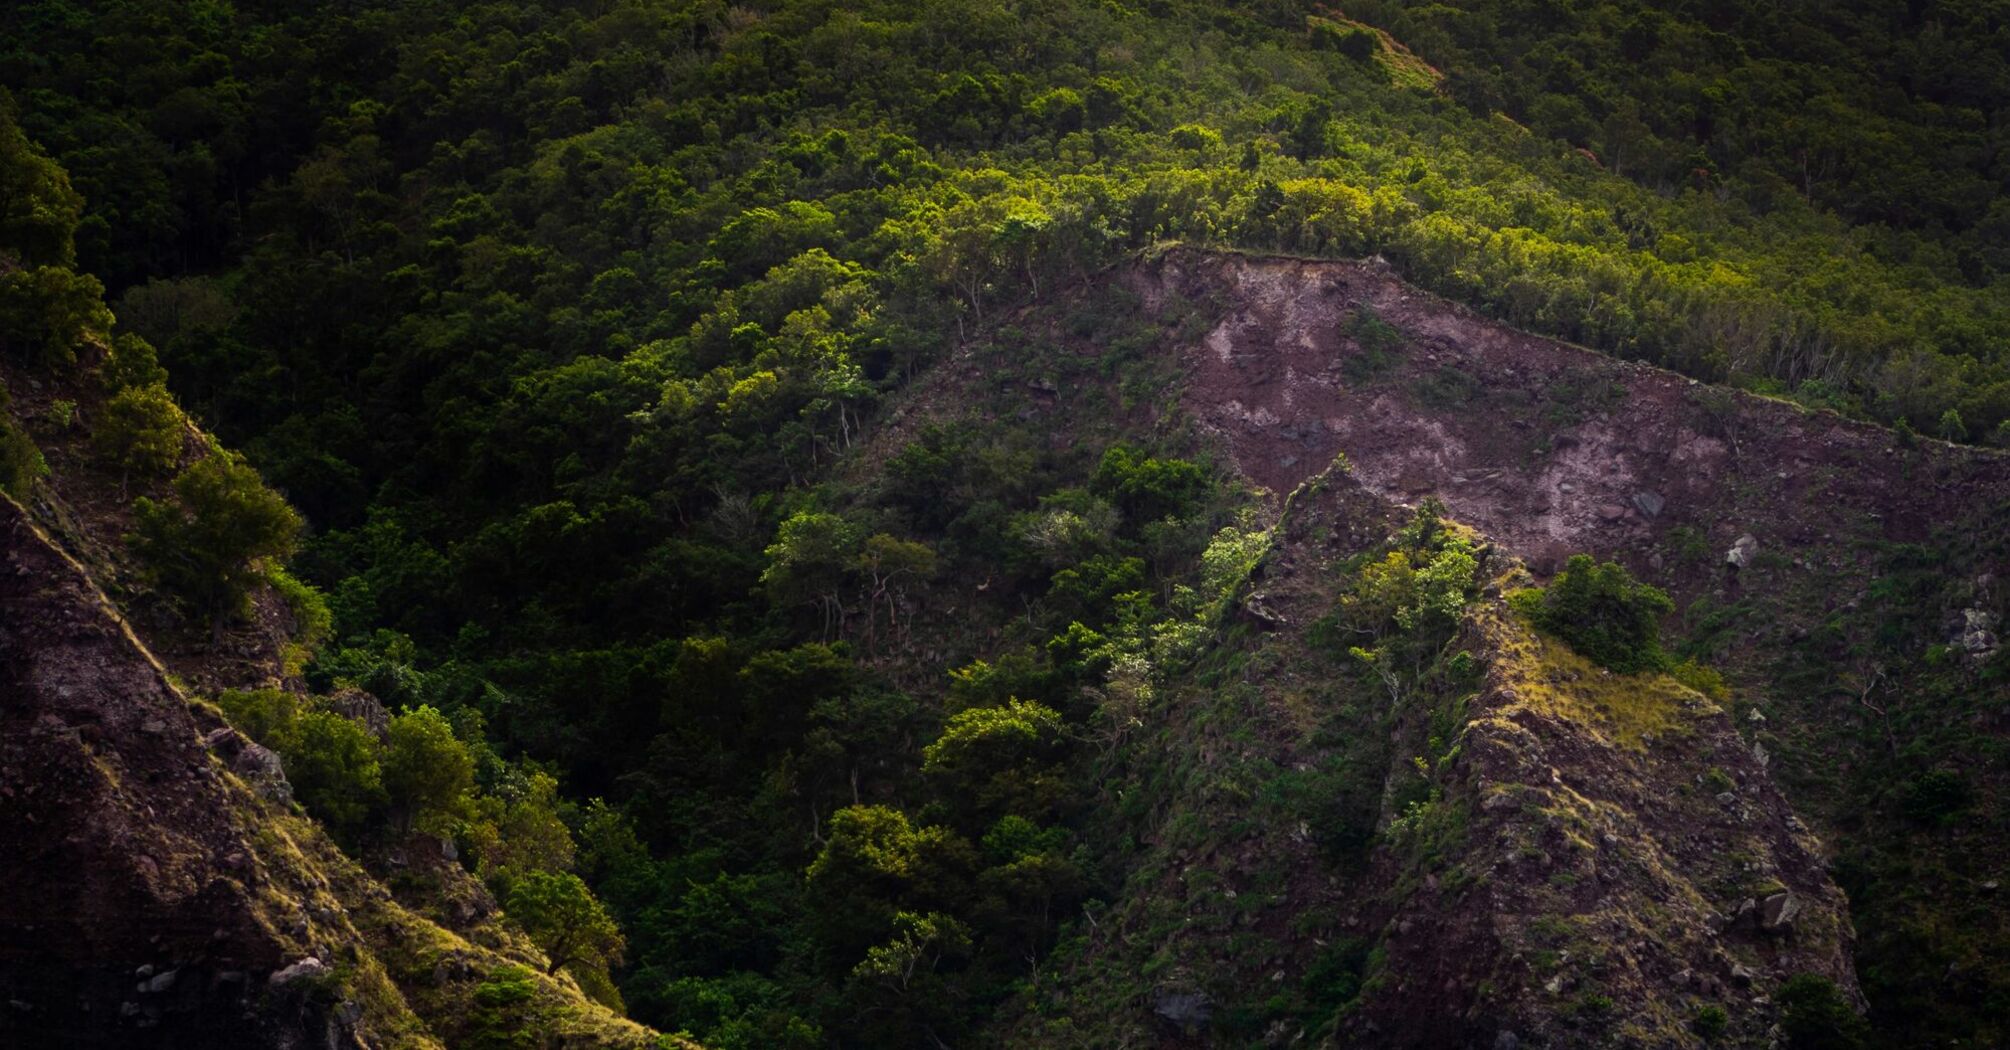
[[568, 334]]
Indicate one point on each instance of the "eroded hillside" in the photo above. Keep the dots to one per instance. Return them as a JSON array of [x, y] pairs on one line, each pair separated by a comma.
[[167, 893]]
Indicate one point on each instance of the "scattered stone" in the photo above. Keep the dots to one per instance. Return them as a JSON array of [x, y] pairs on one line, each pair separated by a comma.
[[1744, 552], [1977, 633], [1611, 512], [361, 707], [1507, 1040], [1185, 1009], [1649, 502], [1991, 886], [1742, 976], [1777, 914], [261, 768], [307, 969], [160, 982], [1746, 909]]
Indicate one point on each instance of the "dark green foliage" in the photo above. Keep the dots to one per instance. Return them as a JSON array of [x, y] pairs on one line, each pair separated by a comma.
[[1814, 1015], [38, 209], [1937, 795], [47, 312], [1147, 488], [207, 546], [554, 319], [1709, 1022], [21, 463], [1604, 614]]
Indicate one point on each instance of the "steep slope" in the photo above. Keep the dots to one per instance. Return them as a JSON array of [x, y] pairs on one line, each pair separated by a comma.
[[1590, 859], [1563, 857], [163, 891]]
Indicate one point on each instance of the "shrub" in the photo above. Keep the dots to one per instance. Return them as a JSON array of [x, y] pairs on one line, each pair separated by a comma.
[[141, 430], [47, 312], [1148, 489], [332, 765], [1814, 1015], [1601, 611], [1709, 1022], [427, 771], [209, 545], [21, 463]]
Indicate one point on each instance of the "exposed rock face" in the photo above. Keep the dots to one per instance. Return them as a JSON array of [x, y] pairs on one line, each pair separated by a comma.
[[1545, 447], [160, 891], [121, 837], [1587, 887]]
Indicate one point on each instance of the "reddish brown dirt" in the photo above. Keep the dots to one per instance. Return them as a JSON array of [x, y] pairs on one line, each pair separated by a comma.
[[1542, 445]]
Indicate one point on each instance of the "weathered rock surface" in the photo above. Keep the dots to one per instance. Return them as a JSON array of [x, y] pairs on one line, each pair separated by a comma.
[[161, 892]]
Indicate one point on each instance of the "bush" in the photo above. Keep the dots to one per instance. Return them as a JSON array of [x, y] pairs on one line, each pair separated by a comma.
[[208, 546], [1814, 1015], [48, 312], [141, 430], [1601, 611], [1148, 489], [1709, 1022], [21, 463]]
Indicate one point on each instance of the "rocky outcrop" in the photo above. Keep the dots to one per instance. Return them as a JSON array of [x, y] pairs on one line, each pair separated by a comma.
[[161, 889], [1603, 858]]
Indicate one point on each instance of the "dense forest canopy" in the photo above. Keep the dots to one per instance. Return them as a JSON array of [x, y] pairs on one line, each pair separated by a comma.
[[556, 320]]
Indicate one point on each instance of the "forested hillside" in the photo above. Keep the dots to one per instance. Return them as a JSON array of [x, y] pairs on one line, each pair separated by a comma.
[[802, 585]]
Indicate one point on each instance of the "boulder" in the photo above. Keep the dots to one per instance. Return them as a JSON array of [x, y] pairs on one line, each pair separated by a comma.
[[1188, 1010], [1743, 552], [307, 969], [1649, 502], [261, 768], [361, 707], [1777, 912]]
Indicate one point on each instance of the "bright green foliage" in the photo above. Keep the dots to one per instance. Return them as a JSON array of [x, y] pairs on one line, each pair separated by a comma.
[[21, 462], [1147, 488], [1605, 614], [332, 764], [207, 545], [1005, 759], [38, 209], [502, 1016], [565, 920], [141, 430], [427, 771], [47, 312]]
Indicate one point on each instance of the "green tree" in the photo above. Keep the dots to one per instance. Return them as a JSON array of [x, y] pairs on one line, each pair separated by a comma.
[[428, 772], [811, 561], [38, 209], [47, 312], [1814, 1015], [332, 764], [208, 545], [561, 915], [1605, 614], [142, 430], [1005, 759]]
